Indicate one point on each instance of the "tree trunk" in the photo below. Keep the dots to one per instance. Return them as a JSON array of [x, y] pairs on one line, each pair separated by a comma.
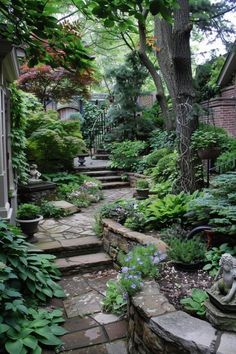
[[174, 59], [160, 95]]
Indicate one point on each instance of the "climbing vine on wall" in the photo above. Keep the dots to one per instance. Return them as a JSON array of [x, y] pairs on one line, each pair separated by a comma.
[[18, 140]]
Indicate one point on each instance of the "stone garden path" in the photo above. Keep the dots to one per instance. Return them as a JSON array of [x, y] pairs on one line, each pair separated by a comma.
[[85, 269]]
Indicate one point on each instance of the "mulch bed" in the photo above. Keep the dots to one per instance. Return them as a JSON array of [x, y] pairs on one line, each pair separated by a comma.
[[177, 284]]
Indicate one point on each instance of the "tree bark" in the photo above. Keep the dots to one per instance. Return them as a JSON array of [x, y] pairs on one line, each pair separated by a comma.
[[174, 58], [160, 95]]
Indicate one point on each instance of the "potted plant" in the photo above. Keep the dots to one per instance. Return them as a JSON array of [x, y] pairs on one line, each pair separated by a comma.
[[142, 189], [28, 217], [187, 255], [208, 141]]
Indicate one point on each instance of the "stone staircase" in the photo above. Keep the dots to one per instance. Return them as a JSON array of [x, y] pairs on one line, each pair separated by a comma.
[[109, 178], [78, 255]]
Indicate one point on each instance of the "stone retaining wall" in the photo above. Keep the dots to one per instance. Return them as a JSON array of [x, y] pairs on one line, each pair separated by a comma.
[[117, 238], [154, 325]]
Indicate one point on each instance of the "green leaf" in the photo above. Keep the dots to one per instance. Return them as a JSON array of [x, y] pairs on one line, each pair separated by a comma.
[[30, 342], [3, 328], [57, 330], [50, 340], [14, 347], [37, 350]]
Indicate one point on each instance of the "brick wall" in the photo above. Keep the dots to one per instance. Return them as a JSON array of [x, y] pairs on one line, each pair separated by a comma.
[[222, 110]]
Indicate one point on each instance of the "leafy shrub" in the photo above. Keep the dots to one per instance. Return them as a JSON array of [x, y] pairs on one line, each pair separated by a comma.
[[226, 162], [140, 262], [162, 139], [209, 136], [28, 211], [62, 138], [195, 303], [171, 208], [26, 278], [142, 184], [115, 300], [48, 210], [126, 155], [186, 251], [166, 168], [64, 177], [213, 257], [153, 114], [118, 210], [162, 189], [153, 158], [216, 206]]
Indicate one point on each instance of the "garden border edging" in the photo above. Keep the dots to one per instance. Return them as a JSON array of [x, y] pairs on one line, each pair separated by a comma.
[[154, 325]]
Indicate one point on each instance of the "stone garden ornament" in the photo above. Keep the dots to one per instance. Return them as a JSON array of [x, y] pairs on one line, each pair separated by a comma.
[[225, 286], [34, 174]]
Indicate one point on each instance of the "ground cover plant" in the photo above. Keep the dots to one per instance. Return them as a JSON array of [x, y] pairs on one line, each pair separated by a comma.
[[138, 264], [27, 281], [216, 206], [77, 189]]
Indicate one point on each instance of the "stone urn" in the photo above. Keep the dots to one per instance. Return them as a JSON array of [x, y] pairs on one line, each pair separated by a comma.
[[30, 227]]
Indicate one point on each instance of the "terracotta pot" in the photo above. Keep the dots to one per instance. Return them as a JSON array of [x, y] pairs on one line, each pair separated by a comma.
[[29, 227], [142, 193], [209, 153]]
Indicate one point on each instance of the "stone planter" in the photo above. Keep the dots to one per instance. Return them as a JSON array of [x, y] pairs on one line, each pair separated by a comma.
[[30, 227], [142, 193], [209, 153], [81, 159]]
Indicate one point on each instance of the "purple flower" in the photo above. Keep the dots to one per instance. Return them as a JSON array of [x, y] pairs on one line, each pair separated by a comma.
[[133, 286], [156, 260], [124, 269]]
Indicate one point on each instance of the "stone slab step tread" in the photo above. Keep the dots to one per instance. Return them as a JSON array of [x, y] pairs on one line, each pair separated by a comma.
[[109, 178], [101, 173], [70, 244], [110, 185], [84, 262], [86, 169]]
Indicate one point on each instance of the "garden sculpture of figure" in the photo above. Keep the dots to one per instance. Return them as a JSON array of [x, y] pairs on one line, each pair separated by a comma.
[[34, 174], [226, 278]]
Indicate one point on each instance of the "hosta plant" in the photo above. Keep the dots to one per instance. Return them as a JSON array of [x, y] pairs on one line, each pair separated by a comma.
[[27, 279], [195, 302]]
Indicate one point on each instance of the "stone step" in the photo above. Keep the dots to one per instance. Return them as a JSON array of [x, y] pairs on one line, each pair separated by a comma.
[[84, 263], [85, 169], [111, 185], [71, 247], [101, 152], [101, 157], [105, 179], [101, 173]]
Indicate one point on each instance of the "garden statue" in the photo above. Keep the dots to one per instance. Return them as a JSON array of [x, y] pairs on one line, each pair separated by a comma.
[[225, 286], [34, 174]]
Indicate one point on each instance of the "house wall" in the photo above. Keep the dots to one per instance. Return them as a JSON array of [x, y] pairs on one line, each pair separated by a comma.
[[222, 109]]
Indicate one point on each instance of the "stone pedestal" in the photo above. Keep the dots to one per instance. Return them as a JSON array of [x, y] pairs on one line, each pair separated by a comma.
[[221, 320], [36, 191]]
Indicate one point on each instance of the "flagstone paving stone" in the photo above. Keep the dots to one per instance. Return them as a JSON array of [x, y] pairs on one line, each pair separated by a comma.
[[90, 331]]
